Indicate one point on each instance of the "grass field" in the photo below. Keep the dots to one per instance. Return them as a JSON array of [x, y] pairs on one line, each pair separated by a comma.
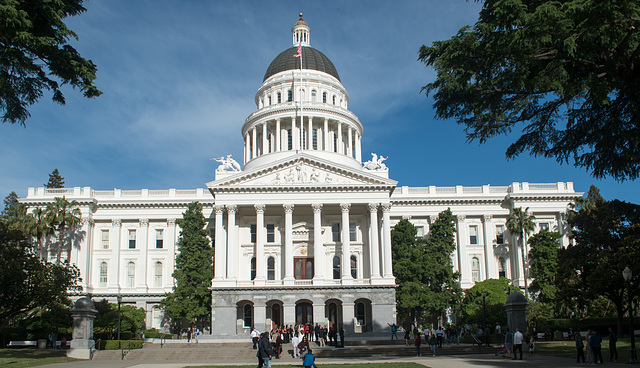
[[368, 365], [21, 358], [567, 349]]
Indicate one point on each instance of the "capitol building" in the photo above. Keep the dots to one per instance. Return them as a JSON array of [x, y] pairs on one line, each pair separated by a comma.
[[301, 226]]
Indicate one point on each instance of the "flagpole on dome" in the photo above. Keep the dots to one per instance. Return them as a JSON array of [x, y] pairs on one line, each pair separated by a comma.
[[298, 55]]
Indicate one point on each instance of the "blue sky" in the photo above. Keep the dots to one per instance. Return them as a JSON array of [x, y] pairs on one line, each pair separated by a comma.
[[179, 79]]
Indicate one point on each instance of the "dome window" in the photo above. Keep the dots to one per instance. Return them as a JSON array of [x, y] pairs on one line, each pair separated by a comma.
[[334, 99], [289, 95], [314, 96], [324, 97], [279, 97], [269, 99]]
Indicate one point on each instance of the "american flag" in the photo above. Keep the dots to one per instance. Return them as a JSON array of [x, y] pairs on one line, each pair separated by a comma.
[[299, 51]]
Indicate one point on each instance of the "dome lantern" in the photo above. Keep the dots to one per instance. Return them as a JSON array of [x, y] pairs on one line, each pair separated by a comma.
[[301, 33]]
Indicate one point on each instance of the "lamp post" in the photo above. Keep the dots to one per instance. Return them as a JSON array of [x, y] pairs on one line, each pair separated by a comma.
[[627, 274], [484, 315], [119, 302]]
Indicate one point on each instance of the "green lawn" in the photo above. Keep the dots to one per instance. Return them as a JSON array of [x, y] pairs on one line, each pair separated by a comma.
[[368, 365], [567, 349], [19, 358]]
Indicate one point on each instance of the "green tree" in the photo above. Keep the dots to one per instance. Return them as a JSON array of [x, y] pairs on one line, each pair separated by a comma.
[[37, 224], [10, 202], [423, 269], [63, 216], [564, 71], [606, 240], [191, 297], [26, 283], [521, 222], [55, 180], [543, 259], [35, 56], [471, 310], [131, 318]]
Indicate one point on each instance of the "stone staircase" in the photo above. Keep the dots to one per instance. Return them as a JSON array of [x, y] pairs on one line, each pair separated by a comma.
[[241, 352]]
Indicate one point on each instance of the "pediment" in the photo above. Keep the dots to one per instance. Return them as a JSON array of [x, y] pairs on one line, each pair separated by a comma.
[[302, 171]]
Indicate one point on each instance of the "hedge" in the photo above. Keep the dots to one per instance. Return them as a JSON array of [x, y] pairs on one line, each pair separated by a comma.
[[153, 333], [113, 344]]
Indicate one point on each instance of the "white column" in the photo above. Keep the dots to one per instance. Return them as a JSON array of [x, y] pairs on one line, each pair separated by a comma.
[[278, 142], [318, 249], [325, 136], [247, 150], [220, 246], [386, 240], [346, 243], [116, 225], [294, 134], [358, 147], [462, 240], [288, 243], [254, 142], [232, 242], [141, 281], [340, 145], [265, 145], [374, 244], [489, 259], [310, 135], [350, 144], [86, 252], [260, 237], [171, 242]]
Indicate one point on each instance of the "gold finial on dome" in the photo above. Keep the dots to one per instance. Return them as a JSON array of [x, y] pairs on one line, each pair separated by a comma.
[[300, 16], [300, 33]]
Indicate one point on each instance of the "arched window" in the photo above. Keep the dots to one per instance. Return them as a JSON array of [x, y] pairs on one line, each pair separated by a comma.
[[157, 276], [289, 139], [314, 95], [269, 100], [334, 99], [336, 268], [247, 315], [289, 95], [324, 97], [475, 269], [103, 274], [502, 267], [354, 267], [279, 95], [360, 313], [253, 268], [131, 275], [271, 268]]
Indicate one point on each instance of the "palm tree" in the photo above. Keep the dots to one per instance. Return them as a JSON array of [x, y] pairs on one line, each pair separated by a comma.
[[37, 225], [521, 222], [63, 215]]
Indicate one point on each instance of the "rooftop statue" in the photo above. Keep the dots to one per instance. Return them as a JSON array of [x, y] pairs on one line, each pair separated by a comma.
[[227, 164], [375, 163]]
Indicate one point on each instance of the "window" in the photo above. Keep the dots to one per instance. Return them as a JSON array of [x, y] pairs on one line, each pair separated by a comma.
[[335, 232], [544, 226], [360, 308], [314, 133], [279, 97], [473, 234], [336, 268], [132, 239], [324, 97], [334, 99], [313, 95], [499, 234], [253, 268], [105, 239], [289, 95], [271, 268], [271, 233], [354, 267], [352, 232], [475, 269], [159, 238], [502, 267], [253, 233], [247, 315], [335, 142], [103, 274], [131, 275], [289, 139], [269, 100], [157, 276]]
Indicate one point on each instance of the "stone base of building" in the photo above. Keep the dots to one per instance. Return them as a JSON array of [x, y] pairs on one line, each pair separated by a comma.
[[359, 310]]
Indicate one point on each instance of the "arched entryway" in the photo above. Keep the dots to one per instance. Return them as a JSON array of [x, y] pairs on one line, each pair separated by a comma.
[[274, 313], [245, 319], [362, 315], [333, 312], [304, 312]]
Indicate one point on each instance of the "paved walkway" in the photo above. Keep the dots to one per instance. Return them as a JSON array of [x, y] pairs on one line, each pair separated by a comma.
[[462, 361]]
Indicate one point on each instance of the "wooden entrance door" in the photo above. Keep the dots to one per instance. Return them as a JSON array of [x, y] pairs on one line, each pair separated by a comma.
[[304, 313], [303, 268]]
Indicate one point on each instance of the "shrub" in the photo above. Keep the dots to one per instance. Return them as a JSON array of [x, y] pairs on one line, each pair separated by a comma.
[[113, 344], [153, 333]]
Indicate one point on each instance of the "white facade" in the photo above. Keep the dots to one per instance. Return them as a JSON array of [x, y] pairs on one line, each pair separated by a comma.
[[302, 231]]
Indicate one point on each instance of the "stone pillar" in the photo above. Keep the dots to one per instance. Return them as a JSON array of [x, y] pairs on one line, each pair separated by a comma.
[[348, 317], [260, 238], [254, 143], [386, 240], [83, 313], [85, 252], [350, 142], [232, 243], [318, 248], [142, 280], [516, 308], [116, 224], [260, 315], [310, 135], [358, 147], [325, 136], [247, 150], [318, 313], [462, 240], [374, 244], [278, 138], [289, 311], [489, 259], [288, 243], [340, 145], [171, 243], [294, 134], [346, 242], [220, 246], [265, 146]]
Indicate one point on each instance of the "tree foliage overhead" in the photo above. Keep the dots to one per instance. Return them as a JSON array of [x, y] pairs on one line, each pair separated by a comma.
[[35, 56], [10, 202], [423, 269], [471, 309], [191, 297], [606, 240], [565, 71], [55, 180], [543, 259]]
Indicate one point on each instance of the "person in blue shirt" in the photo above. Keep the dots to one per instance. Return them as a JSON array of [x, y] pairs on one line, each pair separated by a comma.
[[309, 360], [596, 346]]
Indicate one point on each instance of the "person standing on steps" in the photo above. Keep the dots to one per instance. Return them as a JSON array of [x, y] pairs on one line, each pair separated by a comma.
[[394, 330], [417, 342], [255, 337], [432, 342], [517, 343]]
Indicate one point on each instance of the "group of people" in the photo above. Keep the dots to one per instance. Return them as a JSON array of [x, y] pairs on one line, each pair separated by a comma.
[[269, 346], [513, 343], [193, 335], [593, 341], [53, 339]]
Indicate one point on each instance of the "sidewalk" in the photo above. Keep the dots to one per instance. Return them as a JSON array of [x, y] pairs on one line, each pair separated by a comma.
[[463, 361]]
